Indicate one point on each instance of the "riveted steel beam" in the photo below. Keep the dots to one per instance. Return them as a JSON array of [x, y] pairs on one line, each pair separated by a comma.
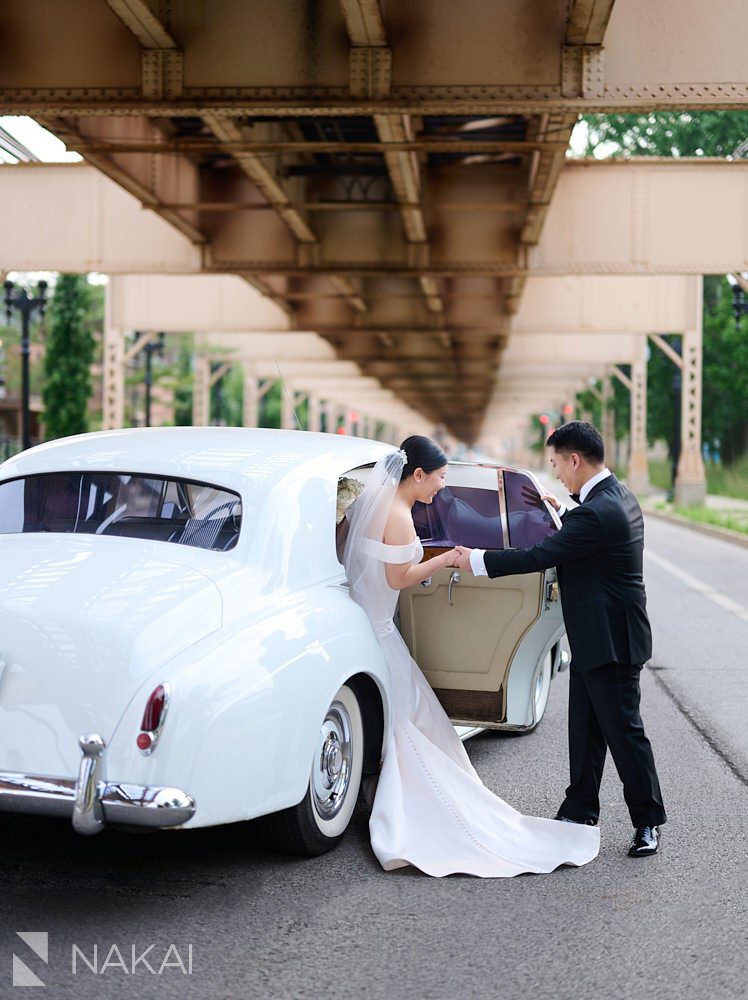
[[587, 21], [364, 22], [414, 145], [143, 23], [161, 58], [263, 177]]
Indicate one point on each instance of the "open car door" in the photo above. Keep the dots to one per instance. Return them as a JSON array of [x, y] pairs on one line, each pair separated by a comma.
[[487, 647]]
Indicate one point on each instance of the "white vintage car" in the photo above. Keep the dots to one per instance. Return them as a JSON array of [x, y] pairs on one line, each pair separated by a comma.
[[178, 647]]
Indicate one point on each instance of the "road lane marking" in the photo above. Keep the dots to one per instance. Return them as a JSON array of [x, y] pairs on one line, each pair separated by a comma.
[[702, 588]]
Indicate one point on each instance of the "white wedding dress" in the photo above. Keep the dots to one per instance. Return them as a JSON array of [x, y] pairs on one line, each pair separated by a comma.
[[431, 810]]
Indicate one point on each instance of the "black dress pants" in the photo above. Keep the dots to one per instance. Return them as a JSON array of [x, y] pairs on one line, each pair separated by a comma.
[[604, 712]]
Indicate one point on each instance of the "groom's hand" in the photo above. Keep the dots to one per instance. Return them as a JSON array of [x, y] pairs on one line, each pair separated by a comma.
[[534, 499], [462, 559]]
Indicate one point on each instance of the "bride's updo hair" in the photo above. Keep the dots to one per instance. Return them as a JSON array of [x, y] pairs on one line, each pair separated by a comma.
[[422, 453]]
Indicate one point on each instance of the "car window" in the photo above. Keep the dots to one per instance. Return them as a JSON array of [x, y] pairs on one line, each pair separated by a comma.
[[350, 487], [128, 505], [461, 515], [528, 519]]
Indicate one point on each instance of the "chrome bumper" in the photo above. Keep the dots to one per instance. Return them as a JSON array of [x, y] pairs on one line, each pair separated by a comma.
[[91, 803]]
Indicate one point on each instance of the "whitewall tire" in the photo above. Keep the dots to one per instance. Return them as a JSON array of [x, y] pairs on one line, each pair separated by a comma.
[[540, 688], [320, 820]]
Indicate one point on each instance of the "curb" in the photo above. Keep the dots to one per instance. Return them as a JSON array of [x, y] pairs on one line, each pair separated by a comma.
[[726, 534]]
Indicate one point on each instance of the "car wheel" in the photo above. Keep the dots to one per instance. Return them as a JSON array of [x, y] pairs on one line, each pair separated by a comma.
[[540, 688], [320, 820]]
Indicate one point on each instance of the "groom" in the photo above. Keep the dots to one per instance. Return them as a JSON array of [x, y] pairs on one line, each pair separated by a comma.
[[598, 554]]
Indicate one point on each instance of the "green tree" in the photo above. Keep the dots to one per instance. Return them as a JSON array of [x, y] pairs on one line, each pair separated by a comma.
[[227, 397], [182, 381], [68, 357], [589, 402], [725, 393], [661, 375], [676, 134], [669, 133], [270, 407]]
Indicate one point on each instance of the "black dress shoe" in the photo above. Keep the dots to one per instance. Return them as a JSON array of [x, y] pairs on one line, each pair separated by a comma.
[[579, 822], [646, 841]]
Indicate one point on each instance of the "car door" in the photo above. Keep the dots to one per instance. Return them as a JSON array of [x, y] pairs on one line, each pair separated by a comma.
[[467, 633]]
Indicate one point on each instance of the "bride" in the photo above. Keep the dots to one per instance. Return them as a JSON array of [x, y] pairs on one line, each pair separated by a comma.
[[431, 809]]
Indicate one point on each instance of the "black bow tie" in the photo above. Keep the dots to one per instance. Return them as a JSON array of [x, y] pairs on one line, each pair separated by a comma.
[[575, 497]]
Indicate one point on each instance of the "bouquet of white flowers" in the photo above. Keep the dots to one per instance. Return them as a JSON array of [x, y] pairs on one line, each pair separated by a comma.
[[348, 490]]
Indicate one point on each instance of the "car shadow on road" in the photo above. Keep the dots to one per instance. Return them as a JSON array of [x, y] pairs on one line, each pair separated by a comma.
[[46, 855]]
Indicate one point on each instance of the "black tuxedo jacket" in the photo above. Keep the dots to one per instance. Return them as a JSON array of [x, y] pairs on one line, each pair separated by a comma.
[[598, 554]]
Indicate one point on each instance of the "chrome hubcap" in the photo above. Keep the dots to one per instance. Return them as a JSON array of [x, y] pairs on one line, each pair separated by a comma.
[[540, 682], [538, 688], [332, 763]]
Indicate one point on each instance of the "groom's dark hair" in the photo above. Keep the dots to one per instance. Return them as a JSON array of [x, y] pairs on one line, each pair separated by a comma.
[[580, 437]]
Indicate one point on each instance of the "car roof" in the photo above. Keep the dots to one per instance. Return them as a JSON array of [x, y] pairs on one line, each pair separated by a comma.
[[223, 456]]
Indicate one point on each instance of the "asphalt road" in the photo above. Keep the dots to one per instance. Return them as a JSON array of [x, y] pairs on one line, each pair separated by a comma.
[[671, 926]]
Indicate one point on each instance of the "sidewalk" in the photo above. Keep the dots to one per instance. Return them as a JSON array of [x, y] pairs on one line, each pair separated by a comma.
[[655, 504], [714, 501]]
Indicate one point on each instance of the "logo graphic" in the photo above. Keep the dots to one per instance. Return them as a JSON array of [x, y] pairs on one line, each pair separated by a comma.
[[38, 942]]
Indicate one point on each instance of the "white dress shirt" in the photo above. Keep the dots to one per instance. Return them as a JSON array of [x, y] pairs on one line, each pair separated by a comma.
[[478, 563]]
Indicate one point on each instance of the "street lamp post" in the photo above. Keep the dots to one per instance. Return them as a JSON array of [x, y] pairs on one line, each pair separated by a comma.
[[677, 390], [739, 304], [150, 348], [19, 298], [220, 421]]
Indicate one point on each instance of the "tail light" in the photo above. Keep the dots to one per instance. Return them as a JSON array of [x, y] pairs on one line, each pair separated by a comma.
[[153, 719]]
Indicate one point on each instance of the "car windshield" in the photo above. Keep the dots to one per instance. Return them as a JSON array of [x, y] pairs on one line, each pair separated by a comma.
[[126, 504]]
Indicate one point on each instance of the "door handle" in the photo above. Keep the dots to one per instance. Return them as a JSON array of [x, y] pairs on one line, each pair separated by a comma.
[[454, 579], [427, 582]]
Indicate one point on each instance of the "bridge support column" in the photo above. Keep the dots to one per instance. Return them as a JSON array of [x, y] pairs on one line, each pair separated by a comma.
[[329, 412], [313, 412], [608, 429], [288, 421], [298, 398], [201, 392], [638, 473], [251, 398], [113, 389], [690, 479]]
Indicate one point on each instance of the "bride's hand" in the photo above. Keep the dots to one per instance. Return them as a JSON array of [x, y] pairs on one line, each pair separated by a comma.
[[450, 558], [463, 558]]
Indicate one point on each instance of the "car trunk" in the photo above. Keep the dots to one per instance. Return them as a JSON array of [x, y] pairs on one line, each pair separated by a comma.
[[83, 623]]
